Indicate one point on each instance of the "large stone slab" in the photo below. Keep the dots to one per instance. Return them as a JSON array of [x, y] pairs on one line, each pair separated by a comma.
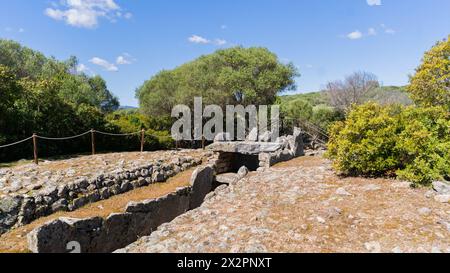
[[201, 183], [243, 147]]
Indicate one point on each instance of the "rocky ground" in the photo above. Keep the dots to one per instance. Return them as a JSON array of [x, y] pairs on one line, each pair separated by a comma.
[[29, 178], [302, 206]]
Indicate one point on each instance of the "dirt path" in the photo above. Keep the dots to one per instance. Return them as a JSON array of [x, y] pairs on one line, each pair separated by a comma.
[[15, 241]]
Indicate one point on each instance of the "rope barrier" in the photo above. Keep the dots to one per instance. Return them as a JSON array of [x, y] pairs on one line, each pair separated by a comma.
[[63, 138], [16, 143], [110, 134]]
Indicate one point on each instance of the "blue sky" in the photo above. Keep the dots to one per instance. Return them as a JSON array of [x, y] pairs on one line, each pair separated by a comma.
[[127, 42]]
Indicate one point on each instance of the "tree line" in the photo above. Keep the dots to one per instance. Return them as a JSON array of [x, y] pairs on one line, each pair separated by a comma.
[[42, 95]]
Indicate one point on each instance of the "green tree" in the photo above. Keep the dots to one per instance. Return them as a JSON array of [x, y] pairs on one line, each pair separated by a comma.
[[298, 110], [431, 83], [227, 77], [74, 87]]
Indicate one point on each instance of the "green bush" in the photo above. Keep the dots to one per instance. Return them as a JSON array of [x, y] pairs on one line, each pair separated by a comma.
[[409, 142], [324, 115]]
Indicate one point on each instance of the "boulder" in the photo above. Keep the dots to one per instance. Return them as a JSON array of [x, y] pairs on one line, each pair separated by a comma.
[[243, 171], [158, 176], [60, 205], [201, 183], [441, 187], [227, 178], [52, 237], [9, 212]]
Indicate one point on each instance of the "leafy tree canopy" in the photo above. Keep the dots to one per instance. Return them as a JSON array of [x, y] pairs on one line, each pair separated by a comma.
[[431, 83], [227, 77]]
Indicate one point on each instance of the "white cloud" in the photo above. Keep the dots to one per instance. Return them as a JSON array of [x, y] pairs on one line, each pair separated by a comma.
[[198, 40], [374, 2], [223, 26], [125, 58], [85, 13], [21, 30], [81, 68], [390, 31], [105, 64], [372, 32], [220, 42], [201, 40], [355, 35]]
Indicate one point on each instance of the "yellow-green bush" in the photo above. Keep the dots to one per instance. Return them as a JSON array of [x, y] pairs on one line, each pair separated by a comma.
[[409, 142]]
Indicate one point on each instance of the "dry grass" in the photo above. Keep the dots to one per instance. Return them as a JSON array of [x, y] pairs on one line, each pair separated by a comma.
[[304, 161], [15, 241]]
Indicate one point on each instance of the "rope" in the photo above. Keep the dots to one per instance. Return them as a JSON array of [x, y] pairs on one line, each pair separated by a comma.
[[63, 138], [110, 134], [15, 143]]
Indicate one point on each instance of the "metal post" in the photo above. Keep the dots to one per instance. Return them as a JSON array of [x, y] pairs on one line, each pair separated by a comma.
[[36, 160], [93, 141], [142, 140], [203, 142]]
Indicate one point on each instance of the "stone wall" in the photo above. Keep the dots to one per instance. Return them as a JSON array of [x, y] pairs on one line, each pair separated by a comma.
[[21, 210], [97, 235], [292, 147]]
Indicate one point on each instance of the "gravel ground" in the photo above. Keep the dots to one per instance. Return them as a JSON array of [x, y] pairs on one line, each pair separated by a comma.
[[302, 206]]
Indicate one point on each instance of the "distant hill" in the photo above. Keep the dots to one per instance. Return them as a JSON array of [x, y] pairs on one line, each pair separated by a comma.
[[383, 95], [125, 107]]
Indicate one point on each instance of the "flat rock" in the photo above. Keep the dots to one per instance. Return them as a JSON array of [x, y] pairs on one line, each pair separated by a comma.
[[248, 148], [343, 192], [442, 198], [441, 187]]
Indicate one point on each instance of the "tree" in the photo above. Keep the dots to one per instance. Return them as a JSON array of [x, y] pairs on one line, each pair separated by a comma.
[[227, 77], [298, 110], [76, 88], [431, 83], [352, 90]]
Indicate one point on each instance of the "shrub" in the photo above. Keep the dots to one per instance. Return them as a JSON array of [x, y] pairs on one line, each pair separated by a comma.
[[323, 116], [409, 142]]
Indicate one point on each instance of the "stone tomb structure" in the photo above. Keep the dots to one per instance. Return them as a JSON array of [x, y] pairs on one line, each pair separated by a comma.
[[256, 153]]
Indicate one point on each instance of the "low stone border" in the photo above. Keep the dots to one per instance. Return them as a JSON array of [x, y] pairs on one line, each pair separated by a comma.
[[98, 235], [21, 210]]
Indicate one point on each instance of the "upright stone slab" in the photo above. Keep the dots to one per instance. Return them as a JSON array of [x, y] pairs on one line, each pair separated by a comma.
[[201, 183], [50, 238], [296, 143]]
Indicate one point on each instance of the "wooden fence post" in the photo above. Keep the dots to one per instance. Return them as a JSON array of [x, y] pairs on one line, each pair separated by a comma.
[[142, 140], [93, 141], [36, 160]]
